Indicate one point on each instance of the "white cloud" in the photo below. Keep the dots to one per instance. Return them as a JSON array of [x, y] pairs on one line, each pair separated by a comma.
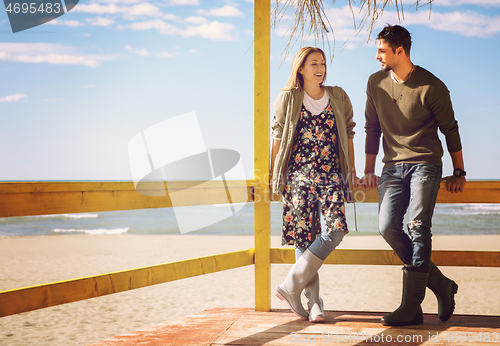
[[462, 22], [196, 20], [152, 17], [53, 100], [194, 51], [13, 98], [466, 2], [213, 31], [183, 2], [166, 55], [98, 8], [144, 9], [48, 53], [127, 12], [99, 21], [157, 24], [70, 23], [141, 52], [465, 23], [127, 2], [225, 11]]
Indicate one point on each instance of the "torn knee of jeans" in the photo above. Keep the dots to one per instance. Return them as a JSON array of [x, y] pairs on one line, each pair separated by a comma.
[[414, 224]]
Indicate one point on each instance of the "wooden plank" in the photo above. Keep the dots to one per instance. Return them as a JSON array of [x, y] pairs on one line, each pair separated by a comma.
[[201, 329], [262, 207], [44, 198], [281, 327], [388, 257], [475, 191], [352, 328], [42, 296]]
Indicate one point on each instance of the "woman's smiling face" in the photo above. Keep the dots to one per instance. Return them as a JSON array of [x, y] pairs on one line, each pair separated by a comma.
[[314, 68]]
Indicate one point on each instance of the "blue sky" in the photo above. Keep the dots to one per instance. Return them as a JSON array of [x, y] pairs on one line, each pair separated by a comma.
[[75, 91]]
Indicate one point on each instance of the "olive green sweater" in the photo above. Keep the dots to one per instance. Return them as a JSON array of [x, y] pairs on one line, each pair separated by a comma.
[[409, 125]]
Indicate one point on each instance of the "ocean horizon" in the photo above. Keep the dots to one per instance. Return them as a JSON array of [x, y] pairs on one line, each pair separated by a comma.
[[449, 219]]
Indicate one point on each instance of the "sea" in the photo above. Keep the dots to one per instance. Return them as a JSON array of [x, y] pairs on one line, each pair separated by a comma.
[[449, 219]]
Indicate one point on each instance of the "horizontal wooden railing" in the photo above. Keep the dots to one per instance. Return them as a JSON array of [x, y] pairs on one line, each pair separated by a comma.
[[388, 257], [44, 198], [39, 198], [42, 296]]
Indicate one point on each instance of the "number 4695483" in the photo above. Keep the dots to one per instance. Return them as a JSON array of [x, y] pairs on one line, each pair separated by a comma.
[[34, 8]]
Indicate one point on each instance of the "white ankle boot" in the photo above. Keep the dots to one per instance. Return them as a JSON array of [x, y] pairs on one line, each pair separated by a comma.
[[314, 303], [296, 280]]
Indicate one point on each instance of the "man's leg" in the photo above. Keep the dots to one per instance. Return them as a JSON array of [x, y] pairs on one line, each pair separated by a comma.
[[395, 190], [394, 196], [424, 187]]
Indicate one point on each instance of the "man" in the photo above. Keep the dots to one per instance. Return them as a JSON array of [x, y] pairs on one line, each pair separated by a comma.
[[407, 105]]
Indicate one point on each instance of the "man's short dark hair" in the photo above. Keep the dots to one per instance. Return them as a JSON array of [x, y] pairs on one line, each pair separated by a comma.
[[396, 36]]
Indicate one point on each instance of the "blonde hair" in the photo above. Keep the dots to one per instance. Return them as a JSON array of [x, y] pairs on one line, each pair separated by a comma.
[[296, 80]]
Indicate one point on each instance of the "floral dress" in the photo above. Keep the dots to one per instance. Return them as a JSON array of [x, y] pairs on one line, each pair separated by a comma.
[[313, 180]]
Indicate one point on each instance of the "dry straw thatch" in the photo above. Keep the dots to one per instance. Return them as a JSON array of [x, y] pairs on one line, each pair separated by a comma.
[[310, 20]]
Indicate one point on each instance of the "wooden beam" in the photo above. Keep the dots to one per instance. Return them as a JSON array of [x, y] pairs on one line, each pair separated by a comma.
[[44, 198], [475, 191], [262, 207], [388, 257], [43, 296]]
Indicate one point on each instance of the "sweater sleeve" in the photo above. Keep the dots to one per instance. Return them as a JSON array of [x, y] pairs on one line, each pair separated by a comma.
[[439, 103], [280, 108], [372, 123]]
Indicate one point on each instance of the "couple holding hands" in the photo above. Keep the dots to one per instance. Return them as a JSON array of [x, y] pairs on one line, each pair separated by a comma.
[[313, 169]]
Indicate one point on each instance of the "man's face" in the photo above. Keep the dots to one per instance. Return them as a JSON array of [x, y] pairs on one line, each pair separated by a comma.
[[387, 57]]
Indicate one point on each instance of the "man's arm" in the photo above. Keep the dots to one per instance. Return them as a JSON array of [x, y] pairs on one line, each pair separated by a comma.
[[372, 141], [454, 184], [370, 180]]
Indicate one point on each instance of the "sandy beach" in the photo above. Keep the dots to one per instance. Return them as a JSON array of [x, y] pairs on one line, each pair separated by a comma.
[[36, 260]]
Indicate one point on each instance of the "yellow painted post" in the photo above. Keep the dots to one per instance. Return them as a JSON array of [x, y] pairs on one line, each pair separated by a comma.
[[261, 156]]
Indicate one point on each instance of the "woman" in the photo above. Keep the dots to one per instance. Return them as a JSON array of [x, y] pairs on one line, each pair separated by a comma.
[[312, 162]]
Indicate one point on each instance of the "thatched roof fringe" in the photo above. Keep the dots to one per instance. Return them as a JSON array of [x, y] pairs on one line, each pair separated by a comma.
[[310, 19]]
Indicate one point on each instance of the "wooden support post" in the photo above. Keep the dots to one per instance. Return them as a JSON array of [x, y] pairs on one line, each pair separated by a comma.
[[261, 156]]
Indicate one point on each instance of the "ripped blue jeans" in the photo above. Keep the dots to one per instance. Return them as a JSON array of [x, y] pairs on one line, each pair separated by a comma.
[[411, 187]]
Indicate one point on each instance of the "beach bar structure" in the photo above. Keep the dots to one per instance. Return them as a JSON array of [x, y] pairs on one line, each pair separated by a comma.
[[258, 325]]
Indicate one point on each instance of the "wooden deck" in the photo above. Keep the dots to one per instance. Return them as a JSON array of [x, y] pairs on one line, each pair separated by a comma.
[[243, 326]]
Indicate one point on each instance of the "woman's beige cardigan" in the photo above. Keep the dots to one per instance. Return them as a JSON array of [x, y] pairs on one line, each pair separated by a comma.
[[287, 107]]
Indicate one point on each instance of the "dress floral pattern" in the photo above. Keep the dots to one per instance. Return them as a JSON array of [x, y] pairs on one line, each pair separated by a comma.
[[314, 181]]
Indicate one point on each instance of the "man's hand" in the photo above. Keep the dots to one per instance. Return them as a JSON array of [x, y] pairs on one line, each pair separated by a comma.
[[369, 181], [454, 184]]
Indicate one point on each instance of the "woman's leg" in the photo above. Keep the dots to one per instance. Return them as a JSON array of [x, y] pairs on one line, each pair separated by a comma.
[[303, 206]]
